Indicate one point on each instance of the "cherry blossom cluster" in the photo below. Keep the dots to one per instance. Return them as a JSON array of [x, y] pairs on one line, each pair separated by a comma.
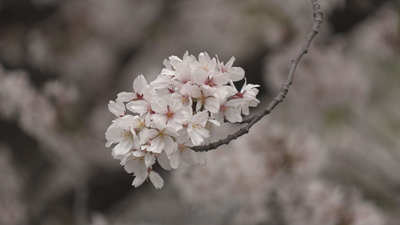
[[178, 110]]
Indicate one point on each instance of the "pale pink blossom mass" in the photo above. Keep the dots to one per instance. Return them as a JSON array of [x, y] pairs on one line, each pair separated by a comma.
[[175, 112]]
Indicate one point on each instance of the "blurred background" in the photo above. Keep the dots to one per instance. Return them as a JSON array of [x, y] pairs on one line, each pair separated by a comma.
[[329, 154]]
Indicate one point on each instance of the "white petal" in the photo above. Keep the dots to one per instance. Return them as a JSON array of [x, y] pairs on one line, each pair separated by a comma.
[[245, 110], [175, 159], [139, 84], [235, 102], [196, 138], [180, 117], [198, 105], [174, 61], [187, 113], [214, 122], [201, 117], [137, 123], [113, 133], [116, 108], [203, 132], [139, 106], [202, 57], [170, 145], [236, 73], [183, 74], [148, 93], [131, 165], [233, 115], [125, 122], [219, 117], [183, 136], [149, 160], [230, 63], [123, 147], [164, 72], [164, 162], [138, 181], [175, 123], [212, 104], [159, 106], [200, 76], [159, 118], [126, 96], [136, 166], [109, 143], [193, 90], [146, 134], [221, 78], [167, 64], [157, 145], [168, 130], [207, 90], [156, 179], [176, 105], [138, 153]]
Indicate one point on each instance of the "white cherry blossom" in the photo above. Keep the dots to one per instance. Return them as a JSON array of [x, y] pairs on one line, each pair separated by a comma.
[[229, 111], [197, 128], [136, 165], [204, 97], [138, 181], [169, 111], [186, 156], [121, 132], [245, 98], [164, 161], [156, 179], [236, 73], [158, 139]]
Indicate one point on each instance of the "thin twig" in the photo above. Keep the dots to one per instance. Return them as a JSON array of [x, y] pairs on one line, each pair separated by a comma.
[[318, 17]]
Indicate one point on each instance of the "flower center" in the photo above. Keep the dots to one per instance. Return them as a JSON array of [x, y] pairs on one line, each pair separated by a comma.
[[139, 96], [182, 148], [210, 82], [239, 95], [169, 114], [223, 108], [204, 65], [183, 99], [139, 126], [202, 97], [149, 109], [126, 135], [139, 159], [196, 125]]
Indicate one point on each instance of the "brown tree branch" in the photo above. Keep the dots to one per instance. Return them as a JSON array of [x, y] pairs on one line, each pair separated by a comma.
[[318, 17]]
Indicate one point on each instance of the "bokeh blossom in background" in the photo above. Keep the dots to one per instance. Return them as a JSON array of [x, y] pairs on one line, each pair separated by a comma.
[[329, 154]]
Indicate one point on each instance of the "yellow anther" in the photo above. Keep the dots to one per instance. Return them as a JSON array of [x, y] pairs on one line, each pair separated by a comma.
[[169, 114], [126, 135], [204, 65]]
